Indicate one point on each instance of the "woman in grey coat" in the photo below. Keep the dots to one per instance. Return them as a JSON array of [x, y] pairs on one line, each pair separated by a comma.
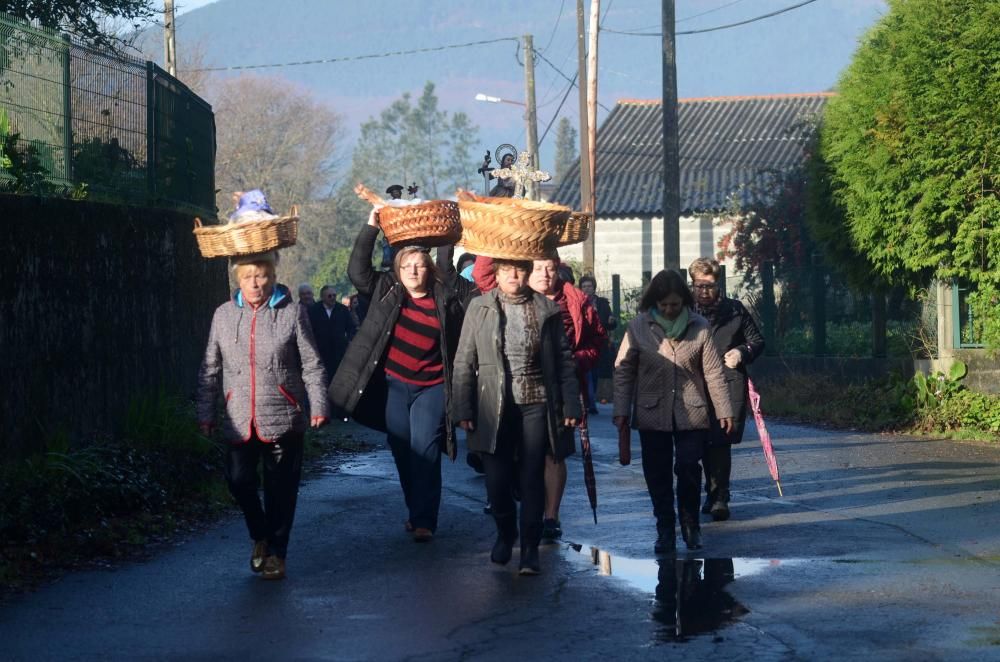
[[514, 390], [667, 370], [262, 360]]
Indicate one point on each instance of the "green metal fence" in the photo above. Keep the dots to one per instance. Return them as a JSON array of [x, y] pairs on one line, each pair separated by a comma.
[[811, 312], [111, 126]]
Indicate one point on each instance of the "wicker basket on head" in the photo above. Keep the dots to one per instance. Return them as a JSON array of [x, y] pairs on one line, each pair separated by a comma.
[[431, 223], [247, 238], [577, 228], [510, 229]]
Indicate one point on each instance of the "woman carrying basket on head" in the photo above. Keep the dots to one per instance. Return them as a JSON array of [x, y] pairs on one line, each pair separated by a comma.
[[516, 391], [585, 335], [397, 373], [262, 358]]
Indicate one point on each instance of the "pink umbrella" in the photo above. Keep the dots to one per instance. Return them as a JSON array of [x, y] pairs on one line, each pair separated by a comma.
[[765, 437]]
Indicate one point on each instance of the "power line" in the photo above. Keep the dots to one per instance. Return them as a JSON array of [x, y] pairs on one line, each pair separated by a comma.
[[370, 56], [572, 81], [556, 114], [562, 5], [710, 11], [717, 27], [682, 20]]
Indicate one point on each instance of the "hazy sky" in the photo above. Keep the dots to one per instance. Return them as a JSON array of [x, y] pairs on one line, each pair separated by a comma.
[[182, 6], [803, 50]]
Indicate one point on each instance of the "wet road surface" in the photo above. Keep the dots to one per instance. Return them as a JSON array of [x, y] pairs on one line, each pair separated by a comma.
[[883, 547]]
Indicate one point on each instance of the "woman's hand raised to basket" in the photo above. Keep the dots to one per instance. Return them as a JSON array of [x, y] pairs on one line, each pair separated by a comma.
[[373, 219]]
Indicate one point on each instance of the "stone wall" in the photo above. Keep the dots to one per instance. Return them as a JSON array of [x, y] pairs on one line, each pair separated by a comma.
[[99, 304]]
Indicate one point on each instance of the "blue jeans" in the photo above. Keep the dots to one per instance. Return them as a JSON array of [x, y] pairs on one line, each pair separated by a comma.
[[414, 420]]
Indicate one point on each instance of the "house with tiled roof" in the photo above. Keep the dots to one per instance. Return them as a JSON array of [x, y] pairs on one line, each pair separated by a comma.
[[727, 145]]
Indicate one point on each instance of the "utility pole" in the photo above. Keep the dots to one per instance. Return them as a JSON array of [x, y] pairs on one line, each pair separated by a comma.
[[671, 149], [531, 113], [585, 192], [588, 246], [169, 39]]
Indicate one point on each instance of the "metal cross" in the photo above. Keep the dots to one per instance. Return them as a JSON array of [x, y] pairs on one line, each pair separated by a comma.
[[521, 173]]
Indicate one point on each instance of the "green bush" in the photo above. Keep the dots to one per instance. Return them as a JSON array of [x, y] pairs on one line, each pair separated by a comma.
[[876, 405], [934, 404], [849, 339], [64, 494]]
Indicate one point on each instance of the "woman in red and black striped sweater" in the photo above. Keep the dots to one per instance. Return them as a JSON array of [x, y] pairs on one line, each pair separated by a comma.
[[396, 375]]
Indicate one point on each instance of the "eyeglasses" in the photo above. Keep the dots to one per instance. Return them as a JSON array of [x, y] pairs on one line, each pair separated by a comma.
[[705, 287]]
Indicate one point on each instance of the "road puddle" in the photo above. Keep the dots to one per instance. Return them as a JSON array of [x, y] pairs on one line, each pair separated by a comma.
[[362, 467], [689, 596]]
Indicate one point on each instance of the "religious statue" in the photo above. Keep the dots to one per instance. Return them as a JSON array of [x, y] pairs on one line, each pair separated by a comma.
[[518, 174]]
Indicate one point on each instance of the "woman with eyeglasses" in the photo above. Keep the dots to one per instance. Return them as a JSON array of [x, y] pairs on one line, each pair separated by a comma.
[[515, 392], [740, 341], [667, 375], [397, 373]]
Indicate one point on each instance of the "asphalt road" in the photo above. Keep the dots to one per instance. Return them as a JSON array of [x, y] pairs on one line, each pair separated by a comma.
[[882, 548]]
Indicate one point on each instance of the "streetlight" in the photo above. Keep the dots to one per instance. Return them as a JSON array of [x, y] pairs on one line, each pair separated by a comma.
[[491, 99]]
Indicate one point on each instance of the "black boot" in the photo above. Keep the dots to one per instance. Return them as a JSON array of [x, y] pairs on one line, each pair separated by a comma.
[[503, 548], [530, 565], [720, 510], [692, 535], [666, 543]]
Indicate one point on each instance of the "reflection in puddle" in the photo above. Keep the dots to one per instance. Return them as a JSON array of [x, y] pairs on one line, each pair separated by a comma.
[[689, 598]]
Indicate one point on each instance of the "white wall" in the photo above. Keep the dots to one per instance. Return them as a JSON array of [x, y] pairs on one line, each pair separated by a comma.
[[630, 246]]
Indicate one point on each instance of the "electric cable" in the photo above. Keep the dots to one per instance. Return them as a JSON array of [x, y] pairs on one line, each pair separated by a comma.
[[717, 27], [369, 56]]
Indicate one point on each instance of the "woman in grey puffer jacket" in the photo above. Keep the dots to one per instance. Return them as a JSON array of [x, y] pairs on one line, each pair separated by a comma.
[[262, 356]]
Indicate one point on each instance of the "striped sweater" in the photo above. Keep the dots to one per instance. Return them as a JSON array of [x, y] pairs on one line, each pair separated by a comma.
[[415, 348]]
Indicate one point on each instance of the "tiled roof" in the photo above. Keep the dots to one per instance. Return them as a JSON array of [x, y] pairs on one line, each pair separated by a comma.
[[725, 144]]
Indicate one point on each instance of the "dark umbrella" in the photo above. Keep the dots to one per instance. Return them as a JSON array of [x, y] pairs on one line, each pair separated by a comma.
[[588, 463], [765, 437]]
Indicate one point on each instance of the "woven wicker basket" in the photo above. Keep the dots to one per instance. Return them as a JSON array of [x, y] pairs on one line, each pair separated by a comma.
[[577, 228], [431, 223], [510, 229], [249, 238]]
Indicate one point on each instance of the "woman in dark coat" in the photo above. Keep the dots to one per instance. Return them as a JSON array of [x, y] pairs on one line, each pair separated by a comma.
[[515, 391], [738, 338], [396, 375]]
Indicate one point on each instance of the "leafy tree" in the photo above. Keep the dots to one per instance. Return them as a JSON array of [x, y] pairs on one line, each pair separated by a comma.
[[566, 145], [410, 143], [911, 144], [333, 271], [275, 136], [86, 19], [770, 228]]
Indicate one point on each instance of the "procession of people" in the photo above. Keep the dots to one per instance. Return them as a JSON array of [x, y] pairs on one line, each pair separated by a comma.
[[500, 345]]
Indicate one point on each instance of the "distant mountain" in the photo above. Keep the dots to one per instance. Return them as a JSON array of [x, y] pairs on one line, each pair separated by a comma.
[[800, 51]]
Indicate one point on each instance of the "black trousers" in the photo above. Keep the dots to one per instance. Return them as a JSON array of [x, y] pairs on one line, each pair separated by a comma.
[[519, 459], [282, 461], [718, 462], [658, 451]]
